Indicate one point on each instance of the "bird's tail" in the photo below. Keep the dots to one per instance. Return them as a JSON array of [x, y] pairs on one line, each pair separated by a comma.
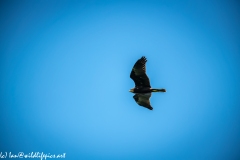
[[158, 90]]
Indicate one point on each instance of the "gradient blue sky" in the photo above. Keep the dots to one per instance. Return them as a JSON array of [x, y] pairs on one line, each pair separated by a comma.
[[65, 67]]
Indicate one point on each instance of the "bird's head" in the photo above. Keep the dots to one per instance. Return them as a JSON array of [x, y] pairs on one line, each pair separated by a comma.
[[131, 90]]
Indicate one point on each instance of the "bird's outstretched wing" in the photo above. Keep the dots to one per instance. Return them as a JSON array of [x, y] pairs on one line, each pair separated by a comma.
[[143, 100], [139, 75]]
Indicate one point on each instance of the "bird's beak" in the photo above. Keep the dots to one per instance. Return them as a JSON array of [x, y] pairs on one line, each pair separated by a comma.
[[131, 90]]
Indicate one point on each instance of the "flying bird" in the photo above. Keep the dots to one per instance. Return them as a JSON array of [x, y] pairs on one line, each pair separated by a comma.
[[142, 89]]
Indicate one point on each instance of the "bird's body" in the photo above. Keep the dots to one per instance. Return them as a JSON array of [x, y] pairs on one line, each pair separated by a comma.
[[146, 90], [142, 87]]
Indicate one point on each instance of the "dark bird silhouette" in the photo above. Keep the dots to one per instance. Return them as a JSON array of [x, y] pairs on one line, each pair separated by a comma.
[[142, 89]]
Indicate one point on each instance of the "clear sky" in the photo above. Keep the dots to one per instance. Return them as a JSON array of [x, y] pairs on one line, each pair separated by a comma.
[[65, 68]]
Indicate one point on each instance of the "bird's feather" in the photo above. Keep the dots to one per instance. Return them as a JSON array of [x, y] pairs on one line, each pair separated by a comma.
[[138, 74], [143, 100]]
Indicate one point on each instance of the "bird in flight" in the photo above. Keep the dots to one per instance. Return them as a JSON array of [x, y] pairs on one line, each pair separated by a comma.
[[142, 89]]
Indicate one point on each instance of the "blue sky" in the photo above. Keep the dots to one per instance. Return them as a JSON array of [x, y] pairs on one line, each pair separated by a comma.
[[65, 67]]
